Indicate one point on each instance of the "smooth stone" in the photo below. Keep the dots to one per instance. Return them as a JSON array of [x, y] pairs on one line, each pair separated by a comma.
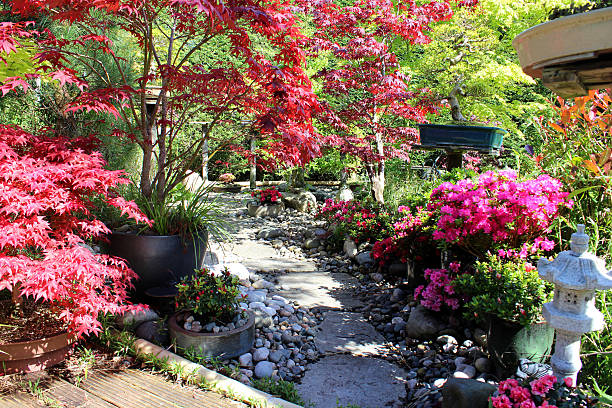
[[133, 319], [364, 258], [256, 296], [350, 248], [261, 354], [264, 369], [246, 360], [480, 337], [446, 339], [270, 233], [153, 331], [312, 243], [465, 393], [483, 364], [262, 319], [422, 324], [275, 356], [377, 277]]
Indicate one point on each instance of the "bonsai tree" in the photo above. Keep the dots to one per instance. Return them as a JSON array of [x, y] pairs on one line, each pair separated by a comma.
[[48, 188], [226, 61]]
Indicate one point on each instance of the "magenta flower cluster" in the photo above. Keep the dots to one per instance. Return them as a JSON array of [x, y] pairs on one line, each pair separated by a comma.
[[439, 291], [543, 392], [498, 208]]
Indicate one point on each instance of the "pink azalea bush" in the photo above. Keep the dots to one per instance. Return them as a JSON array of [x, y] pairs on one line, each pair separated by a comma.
[[439, 291], [543, 392], [497, 209], [410, 238]]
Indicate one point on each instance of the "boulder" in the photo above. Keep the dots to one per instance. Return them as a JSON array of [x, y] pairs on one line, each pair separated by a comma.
[[264, 369], [303, 201], [422, 324], [270, 233], [133, 319], [345, 194], [350, 248], [153, 331], [465, 393], [311, 243], [364, 258]]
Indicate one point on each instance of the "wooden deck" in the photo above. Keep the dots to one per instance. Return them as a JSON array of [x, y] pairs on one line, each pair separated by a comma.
[[122, 389]]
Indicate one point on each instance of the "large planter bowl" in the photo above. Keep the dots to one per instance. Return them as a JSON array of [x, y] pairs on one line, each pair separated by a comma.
[[479, 137], [578, 38], [223, 345], [272, 210], [507, 342], [35, 355], [159, 260]]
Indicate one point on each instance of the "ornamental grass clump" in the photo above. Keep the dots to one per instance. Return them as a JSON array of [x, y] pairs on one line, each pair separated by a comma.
[[267, 196], [508, 288], [498, 211], [211, 297]]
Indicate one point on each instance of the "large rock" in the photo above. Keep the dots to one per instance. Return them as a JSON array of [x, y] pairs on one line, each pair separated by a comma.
[[269, 233], [303, 201], [350, 248], [264, 369], [423, 324], [133, 319], [464, 393], [345, 194], [364, 258], [153, 331]]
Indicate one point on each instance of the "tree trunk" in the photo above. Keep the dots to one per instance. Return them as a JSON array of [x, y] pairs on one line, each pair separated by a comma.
[[253, 172], [205, 152], [297, 178]]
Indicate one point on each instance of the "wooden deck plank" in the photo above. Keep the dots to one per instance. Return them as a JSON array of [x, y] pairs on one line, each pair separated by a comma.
[[70, 396], [154, 391], [20, 400]]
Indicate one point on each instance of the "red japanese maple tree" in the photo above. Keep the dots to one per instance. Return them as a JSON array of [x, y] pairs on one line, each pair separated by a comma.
[[369, 100], [48, 187], [259, 76]]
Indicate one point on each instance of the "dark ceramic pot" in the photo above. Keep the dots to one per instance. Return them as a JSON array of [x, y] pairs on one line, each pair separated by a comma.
[[507, 342], [159, 260], [35, 355], [223, 345]]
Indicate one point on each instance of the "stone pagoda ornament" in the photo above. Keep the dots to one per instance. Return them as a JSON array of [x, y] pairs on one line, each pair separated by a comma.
[[576, 275]]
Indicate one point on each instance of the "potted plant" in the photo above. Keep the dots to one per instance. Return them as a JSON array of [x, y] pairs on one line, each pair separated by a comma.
[[507, 294], [208, 317], [174, 246], [53, 285], [477, 137], [266, 202]]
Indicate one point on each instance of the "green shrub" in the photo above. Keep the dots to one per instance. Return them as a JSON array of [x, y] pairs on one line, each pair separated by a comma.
[[596, 348]]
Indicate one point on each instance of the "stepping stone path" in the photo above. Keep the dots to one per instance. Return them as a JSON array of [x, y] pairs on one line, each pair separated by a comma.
[[352, 366]]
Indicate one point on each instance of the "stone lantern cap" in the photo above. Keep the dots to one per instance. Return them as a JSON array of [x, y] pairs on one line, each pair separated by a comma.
[[576, 269]]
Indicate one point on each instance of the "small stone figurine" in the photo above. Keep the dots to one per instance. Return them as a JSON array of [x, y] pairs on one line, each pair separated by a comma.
[[576, 275]]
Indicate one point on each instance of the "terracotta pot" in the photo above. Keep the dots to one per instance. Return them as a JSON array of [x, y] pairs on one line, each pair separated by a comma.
[[229, 344], [34, 355]]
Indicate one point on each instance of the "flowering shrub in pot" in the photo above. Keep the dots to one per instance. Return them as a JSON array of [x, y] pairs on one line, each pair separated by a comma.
[[48, 188], [507, 294], [208, 317], [543, 392], [267, 196]]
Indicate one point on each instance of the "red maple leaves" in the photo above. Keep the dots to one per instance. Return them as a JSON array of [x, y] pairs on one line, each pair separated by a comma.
[[46, 191]]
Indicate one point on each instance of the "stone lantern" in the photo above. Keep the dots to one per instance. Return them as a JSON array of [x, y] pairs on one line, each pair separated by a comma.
[[576, 275]]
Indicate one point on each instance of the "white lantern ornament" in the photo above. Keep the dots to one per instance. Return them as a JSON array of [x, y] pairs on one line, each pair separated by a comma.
[[576, 275]]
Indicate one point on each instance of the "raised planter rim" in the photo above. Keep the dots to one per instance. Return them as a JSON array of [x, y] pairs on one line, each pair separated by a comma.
[[173, 324], [573, 36], [35, 348], [459, 127]]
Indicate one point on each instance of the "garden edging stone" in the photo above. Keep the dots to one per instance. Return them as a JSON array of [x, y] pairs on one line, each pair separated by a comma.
[[220, 382]]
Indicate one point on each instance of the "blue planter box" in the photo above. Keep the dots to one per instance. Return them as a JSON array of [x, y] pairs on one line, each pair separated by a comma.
[[482, 137]]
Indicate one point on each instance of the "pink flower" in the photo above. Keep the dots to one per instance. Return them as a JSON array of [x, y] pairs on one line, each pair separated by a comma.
[[543, 385], [501, 402], [520, 394], [568, 382]]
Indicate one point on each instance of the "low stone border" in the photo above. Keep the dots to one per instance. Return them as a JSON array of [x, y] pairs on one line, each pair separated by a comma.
[[221, 382]]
